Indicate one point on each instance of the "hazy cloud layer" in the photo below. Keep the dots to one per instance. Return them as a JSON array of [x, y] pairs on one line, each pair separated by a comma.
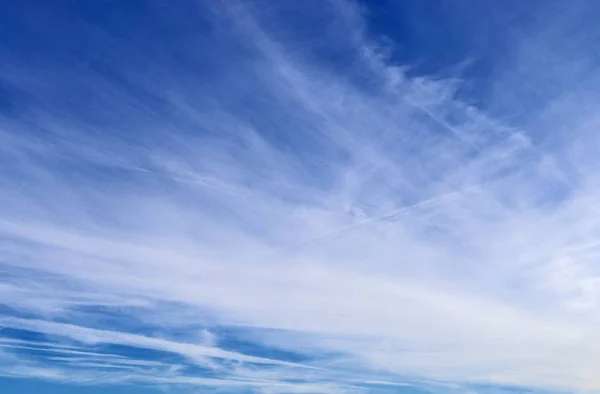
[[260, 196]]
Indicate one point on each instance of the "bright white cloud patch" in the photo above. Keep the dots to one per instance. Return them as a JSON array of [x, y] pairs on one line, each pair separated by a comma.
[[251, 203]]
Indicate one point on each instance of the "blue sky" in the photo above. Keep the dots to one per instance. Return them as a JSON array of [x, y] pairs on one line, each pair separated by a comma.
[[337, 196]]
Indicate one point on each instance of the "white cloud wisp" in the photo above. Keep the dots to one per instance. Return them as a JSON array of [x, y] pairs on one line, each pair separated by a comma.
[[352, 214]]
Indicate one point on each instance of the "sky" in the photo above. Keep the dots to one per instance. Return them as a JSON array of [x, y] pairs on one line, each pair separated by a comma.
[[317, 196]]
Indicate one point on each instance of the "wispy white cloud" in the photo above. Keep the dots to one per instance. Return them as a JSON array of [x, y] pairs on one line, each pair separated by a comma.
[[95, 336], [367, 220]]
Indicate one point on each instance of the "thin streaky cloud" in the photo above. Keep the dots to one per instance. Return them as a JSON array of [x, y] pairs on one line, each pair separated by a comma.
[[276, 198]]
